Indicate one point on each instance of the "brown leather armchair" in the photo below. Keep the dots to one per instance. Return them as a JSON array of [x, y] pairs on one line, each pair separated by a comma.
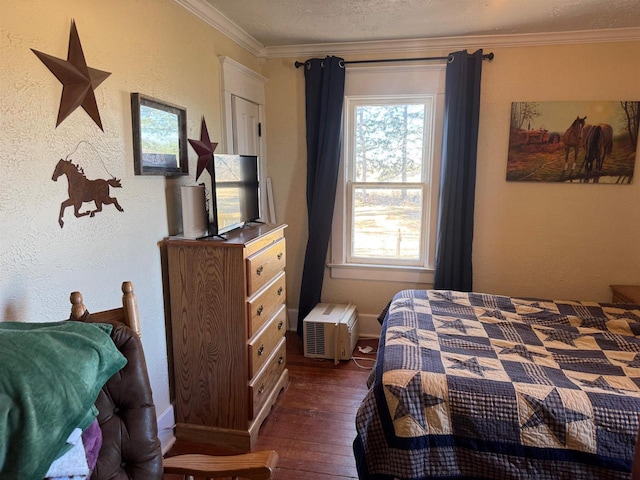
[[127, 416]]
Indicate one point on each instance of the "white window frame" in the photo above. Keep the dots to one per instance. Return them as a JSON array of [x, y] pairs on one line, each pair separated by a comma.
[[353, 102], [394, 82]]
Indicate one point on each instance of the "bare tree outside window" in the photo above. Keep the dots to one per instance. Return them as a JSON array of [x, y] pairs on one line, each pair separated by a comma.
[[387, 190]]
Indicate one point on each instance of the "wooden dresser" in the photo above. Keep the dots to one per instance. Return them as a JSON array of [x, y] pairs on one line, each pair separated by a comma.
[[228, 318]]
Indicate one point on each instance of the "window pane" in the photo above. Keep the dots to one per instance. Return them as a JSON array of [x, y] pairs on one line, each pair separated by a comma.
[[389, 142], [387, 223]]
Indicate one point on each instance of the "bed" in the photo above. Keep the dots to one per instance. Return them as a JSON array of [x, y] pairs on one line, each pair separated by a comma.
[[470, 385]]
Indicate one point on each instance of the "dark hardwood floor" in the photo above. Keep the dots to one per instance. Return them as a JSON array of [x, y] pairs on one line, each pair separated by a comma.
[[312, 425]]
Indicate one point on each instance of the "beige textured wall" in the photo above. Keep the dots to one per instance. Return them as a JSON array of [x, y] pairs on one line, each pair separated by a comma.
[[547, 240], [150, 46], [554, 240]]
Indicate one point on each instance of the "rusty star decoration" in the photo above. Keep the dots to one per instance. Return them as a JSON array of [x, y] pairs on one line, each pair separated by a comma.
[[78, 80], [204, 148]]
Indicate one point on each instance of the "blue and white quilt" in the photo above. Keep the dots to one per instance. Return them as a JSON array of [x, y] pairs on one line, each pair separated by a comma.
[[483, 386]]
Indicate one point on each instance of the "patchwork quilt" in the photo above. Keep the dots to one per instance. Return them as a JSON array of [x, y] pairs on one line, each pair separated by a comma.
[[470, 385]]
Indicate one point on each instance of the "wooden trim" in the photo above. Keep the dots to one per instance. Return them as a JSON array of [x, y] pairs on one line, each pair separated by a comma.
[[233, 440], [253, 466], [625, 294], [127, 314]]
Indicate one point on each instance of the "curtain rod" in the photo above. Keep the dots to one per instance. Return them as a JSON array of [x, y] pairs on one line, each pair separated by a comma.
[[488, 56]]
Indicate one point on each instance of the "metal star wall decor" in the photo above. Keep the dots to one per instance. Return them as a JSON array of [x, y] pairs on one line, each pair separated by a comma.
[[78, 80], [204, 148]]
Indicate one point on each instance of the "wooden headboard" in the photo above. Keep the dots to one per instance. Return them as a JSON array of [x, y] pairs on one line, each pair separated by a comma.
[[128, 314]]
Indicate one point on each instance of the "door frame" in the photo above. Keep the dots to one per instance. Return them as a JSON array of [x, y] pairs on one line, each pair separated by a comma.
[[240, 81]]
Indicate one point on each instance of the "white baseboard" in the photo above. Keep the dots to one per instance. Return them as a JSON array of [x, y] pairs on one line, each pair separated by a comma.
[[166, 424], [368, 323], [292, 319]]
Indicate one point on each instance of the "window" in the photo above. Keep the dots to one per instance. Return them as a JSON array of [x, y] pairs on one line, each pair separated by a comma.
[[386, 205], [388, 142]]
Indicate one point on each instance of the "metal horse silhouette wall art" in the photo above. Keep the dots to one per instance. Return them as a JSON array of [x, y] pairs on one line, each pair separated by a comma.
[[83, 190]]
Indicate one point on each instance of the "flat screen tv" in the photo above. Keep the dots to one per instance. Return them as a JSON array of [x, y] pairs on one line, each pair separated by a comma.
[[236, 192]]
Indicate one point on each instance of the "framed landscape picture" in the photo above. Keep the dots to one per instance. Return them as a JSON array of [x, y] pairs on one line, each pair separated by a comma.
[[574, 142], [159, 137]]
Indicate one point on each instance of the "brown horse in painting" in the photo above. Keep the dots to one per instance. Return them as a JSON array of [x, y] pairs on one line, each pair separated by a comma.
[[597, 141], [571, 139], [83, 190]]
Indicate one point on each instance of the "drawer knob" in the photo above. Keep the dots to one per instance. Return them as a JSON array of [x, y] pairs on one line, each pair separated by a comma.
[[261, 389], [260, 309], [280, 291], [280, 360], [280, 324], [260, 350], [259, 270], [279, 256]]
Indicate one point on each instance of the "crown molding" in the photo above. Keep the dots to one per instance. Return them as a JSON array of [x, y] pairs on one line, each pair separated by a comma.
[[460, 42], [212, 16], [223, 24]]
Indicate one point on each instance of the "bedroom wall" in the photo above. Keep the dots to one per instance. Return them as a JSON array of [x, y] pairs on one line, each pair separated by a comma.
[[545, 240], [153, 47], [554, 240]]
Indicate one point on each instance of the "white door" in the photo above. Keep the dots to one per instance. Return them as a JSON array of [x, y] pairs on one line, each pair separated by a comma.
[[246, 120]]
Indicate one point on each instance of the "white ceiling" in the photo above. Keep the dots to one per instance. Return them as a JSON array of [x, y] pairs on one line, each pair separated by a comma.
[[275, 23]]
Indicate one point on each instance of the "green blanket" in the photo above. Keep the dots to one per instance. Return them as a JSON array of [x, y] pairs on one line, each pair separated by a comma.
[[50, 377]]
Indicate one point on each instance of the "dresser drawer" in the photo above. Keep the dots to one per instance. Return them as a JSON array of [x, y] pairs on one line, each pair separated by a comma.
[[265, 240], [264, 265], [261, 386], [264, 343], [262, 307]]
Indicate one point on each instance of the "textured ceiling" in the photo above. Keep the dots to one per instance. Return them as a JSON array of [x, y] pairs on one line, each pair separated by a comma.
[[300, 22]]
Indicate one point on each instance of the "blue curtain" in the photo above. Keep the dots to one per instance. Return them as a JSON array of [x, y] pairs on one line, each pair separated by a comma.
[[453, 269], [324, 89]]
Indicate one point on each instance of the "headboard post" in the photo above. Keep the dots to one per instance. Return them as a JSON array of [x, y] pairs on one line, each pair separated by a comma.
[[77, 306], [130, 305], [128, 314]]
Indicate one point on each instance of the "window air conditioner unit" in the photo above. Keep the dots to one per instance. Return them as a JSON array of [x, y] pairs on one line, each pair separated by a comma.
[[331, 331]]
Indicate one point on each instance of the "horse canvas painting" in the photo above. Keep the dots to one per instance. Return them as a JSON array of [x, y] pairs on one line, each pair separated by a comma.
[[573, 142], [83, 190]]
